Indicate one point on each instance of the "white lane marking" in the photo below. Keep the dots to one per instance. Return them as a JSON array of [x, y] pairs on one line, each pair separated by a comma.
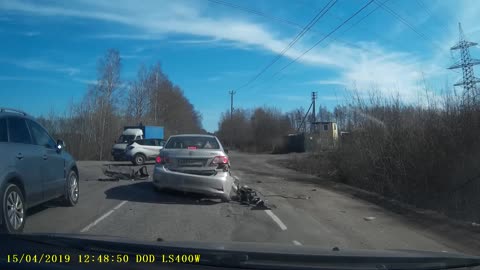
[[276, 219], [89, 226], [120, 205], [296, 243]]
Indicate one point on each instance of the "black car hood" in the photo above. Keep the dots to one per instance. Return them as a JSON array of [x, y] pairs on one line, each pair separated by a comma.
[[259, 247], [254, 255]]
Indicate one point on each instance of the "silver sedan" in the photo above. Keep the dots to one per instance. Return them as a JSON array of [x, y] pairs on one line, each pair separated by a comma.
[[194, 163]]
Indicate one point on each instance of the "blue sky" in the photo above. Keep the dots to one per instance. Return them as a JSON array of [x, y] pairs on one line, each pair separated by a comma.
[[49, 49]]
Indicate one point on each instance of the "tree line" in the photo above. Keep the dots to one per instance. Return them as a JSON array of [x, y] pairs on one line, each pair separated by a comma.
[[91, 125], [256, 130]]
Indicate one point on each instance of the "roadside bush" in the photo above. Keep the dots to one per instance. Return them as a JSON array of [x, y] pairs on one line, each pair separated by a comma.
[[428, 157]]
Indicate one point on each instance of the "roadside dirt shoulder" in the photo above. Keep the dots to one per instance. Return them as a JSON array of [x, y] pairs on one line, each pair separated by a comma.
[[460, 235]]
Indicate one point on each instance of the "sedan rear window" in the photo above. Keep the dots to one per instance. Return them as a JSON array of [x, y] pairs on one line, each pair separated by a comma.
[[192, 142]]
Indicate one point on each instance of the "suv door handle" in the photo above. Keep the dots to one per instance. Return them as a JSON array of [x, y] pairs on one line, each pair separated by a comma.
[[19, 156], [45, 157]]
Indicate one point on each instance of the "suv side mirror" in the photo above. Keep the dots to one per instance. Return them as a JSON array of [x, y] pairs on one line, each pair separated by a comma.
[[60, 145]]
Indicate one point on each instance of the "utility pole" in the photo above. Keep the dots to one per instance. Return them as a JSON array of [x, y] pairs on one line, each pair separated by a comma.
[[314, 118], [155, 95], [231, 116]]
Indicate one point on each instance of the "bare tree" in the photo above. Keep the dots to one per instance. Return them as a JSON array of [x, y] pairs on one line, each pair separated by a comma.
[[92, 124], [138, 102], [101, 101]]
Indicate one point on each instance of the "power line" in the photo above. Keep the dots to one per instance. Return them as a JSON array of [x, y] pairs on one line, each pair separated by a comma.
[[329, 34], [284, 21], [429, 12], [346, 30], [422, 5], [256, 12], [363, 18], [402, 20], [317, 17], [372, 32]]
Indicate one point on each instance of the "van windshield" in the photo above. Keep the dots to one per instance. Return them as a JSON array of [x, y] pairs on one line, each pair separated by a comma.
[[126, 138]]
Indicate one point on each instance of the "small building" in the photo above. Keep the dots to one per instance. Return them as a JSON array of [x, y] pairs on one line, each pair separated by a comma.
[[290, 143], [323, 137]]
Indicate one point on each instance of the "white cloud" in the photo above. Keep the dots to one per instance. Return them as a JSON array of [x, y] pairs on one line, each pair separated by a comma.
[[128, 36], [214, 78], [325, 82], [41, 65], [23, 78], [171, 18], [31, 34], [139, 49], [85, 81], [196, 41], [134, 56], [291, 98], [366, 66], [329, 98]]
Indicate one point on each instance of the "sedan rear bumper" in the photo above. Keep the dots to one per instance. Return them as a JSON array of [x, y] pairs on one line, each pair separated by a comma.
[[218, 185]]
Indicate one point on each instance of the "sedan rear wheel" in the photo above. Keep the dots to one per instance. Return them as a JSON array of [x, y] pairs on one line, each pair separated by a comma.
[[13, 219]]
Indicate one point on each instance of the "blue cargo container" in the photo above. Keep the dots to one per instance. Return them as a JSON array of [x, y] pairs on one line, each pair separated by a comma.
[[149, 132], [153, 132]]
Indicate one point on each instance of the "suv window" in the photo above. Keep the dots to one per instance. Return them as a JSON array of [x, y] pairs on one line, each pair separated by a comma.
[[3, 130], [149, 142], [18, 131], [141, 142], [40, 136]]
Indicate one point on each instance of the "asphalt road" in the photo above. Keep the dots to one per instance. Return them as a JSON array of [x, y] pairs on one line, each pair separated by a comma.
[[303, 212]]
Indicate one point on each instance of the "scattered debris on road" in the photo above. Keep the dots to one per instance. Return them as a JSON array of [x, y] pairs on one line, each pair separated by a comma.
[[369, 218], [248, 196], [117, 174]]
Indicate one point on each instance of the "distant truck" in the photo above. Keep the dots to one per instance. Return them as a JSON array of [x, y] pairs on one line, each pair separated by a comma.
[[131, 133]]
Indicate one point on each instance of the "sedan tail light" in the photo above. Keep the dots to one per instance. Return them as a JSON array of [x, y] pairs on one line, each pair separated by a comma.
[[162, 160], [219, 160]]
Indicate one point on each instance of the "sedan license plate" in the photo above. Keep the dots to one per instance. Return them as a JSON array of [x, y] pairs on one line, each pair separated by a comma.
[[191, 162]]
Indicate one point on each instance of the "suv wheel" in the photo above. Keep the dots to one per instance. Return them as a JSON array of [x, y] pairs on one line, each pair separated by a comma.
[[13, 218], [72, 189], [139, 159]]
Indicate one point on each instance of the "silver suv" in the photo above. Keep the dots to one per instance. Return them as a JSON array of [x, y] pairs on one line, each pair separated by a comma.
[[33, 169], [140, 151]]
